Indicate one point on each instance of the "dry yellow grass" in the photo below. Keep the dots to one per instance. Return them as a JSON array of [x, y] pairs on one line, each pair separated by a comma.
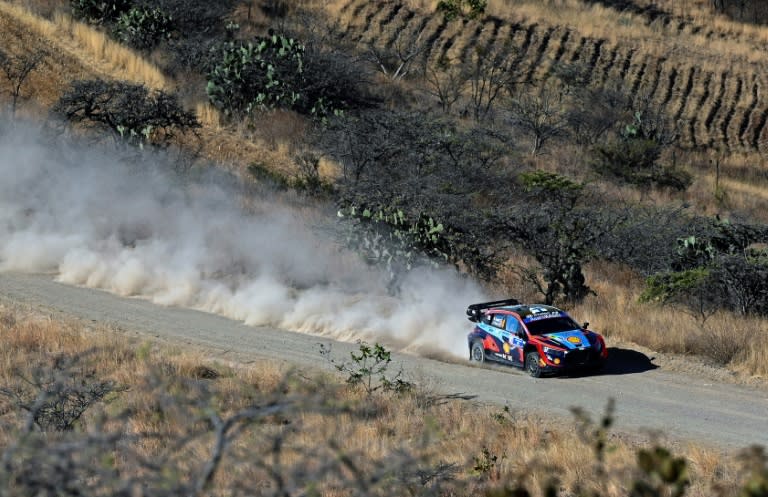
[[451, 432]]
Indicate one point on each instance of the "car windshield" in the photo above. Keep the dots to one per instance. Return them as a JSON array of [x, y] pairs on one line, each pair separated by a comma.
[[551, 325]]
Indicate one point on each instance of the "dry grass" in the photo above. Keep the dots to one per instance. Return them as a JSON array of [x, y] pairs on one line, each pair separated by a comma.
[[724, 338], [457, 431]]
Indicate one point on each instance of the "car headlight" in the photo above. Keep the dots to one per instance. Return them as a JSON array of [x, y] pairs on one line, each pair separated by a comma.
[[554, 352]]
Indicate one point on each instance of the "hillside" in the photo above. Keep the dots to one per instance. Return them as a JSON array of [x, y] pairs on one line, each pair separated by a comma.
[[710, 80]]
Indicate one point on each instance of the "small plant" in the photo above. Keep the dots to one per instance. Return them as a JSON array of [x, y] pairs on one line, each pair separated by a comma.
[[486, 464], [596, 435], [369, 368]]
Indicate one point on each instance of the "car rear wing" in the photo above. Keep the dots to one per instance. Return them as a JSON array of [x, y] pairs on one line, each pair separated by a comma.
[[474, 311]]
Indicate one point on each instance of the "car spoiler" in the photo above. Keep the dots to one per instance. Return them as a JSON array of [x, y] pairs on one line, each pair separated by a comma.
[[475, 310]]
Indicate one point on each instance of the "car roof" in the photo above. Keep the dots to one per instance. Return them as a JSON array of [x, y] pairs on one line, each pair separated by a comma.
[[526, 311]]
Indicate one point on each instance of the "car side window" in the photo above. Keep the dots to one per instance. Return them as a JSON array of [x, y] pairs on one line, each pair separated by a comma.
[[513, 325], [498, 320]]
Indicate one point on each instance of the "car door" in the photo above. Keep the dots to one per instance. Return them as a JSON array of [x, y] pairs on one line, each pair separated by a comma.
[[514, 331]]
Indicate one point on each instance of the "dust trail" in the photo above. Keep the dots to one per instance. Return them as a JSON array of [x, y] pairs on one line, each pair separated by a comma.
[[134, 230]]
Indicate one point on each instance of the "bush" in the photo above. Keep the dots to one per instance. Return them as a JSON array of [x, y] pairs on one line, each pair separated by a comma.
[[99, 11], [453, 9], [369, 369], [634, 157], [142, 28], [260, 74]]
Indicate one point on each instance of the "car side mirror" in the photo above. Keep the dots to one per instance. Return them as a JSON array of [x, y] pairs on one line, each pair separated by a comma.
[[586, 325], [520, 334]]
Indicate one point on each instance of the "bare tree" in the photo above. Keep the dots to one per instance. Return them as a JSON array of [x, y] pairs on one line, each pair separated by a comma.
[[544, 116], [395, 61], [490, 75], [17, 69], [446, 81]]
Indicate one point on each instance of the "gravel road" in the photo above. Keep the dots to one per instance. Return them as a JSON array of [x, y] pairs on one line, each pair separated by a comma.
[[648, 399]]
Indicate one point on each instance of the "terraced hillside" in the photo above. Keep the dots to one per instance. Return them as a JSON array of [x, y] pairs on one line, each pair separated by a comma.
[[708, 78]]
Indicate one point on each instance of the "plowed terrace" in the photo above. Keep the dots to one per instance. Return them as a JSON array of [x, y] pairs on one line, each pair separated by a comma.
[[709, 81]]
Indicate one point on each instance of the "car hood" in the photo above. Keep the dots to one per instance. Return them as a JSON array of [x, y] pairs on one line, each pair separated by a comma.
[[573, 339]]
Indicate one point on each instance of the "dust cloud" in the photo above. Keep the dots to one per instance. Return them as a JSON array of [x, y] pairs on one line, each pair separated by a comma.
[[132, 228]]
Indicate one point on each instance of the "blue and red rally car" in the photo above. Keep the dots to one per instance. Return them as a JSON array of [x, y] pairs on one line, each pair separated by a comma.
[[540, 338]]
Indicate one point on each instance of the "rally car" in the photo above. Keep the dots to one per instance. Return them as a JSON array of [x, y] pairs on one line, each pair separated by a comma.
[[540, 338]]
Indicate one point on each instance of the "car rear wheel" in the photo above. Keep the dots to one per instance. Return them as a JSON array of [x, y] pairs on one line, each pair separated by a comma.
[[532, 364], [477, 353]]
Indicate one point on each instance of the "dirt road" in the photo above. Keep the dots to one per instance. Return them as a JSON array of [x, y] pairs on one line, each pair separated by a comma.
[[647, 398]]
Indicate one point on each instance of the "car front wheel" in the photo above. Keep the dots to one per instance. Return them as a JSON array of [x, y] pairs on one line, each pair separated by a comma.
[[477, 354], [532, 364]]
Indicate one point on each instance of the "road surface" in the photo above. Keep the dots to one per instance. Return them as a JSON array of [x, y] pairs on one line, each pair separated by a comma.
[[647, 398]]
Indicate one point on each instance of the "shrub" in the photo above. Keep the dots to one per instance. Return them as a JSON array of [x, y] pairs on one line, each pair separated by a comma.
[[634, 157], [142, 28], [260, 74], [99, 11], [369, 369], [462, 8]]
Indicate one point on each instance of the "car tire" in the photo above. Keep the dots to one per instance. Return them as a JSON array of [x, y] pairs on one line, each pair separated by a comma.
[[532, 364], [477, 352]]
